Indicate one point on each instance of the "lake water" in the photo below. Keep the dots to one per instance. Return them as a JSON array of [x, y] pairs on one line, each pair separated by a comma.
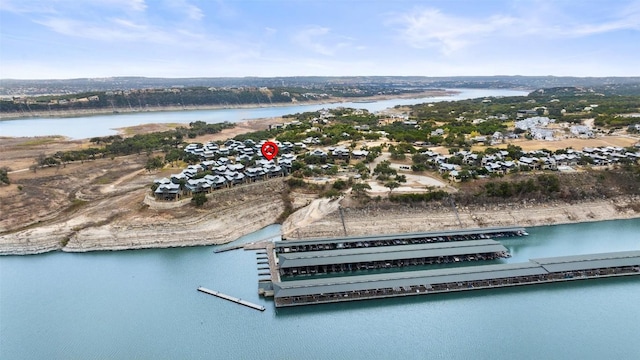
[[143, 304], [102, 125]]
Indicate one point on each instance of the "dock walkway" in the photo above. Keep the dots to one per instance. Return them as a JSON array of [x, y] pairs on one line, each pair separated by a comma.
[[231, 298]]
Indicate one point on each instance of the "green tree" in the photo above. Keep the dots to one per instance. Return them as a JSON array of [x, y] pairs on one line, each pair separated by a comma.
[[360, 189], [4, 175], [199, 199], [392, 185], [154, 163], [340, 185]]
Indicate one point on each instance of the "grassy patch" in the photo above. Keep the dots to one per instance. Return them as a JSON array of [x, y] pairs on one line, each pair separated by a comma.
[[39, 141], [104, 179]]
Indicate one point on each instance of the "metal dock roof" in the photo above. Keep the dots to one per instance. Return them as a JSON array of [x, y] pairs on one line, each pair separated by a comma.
[[452, 275], [589, 261], [367, 254], [310, 241], [409, 278]]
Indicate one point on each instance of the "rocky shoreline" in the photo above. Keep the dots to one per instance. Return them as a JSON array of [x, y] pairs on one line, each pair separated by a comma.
[[321, 218], [400, 219], [228, 215]]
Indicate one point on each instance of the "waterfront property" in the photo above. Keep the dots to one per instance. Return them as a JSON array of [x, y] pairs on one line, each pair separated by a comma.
[[371, 258], [217, 170], [536, 271]]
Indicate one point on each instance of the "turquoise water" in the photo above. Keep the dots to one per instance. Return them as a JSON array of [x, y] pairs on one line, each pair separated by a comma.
[[143, 304], [83, 127]]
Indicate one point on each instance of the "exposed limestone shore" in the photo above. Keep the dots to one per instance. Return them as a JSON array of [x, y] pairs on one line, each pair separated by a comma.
[[321, 218], [227, 215], [306, 223]]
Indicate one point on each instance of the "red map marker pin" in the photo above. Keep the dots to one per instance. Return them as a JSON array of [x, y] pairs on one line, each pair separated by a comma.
[[269, 150]]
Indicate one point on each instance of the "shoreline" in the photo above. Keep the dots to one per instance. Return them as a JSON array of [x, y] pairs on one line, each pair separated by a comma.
[[321, 219], [96, 112], [404, 219]]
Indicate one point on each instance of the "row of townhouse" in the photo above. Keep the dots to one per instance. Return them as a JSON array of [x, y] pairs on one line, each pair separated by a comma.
[[225, 172], [339, 153], [499, 163], [243, 150]]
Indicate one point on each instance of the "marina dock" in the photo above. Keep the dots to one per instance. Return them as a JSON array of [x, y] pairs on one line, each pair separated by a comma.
[[535, 271], [384, 257], [231, 298], [322, 244]]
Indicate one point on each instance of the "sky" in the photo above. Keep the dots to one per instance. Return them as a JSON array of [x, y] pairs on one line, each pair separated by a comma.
[[61, 39]]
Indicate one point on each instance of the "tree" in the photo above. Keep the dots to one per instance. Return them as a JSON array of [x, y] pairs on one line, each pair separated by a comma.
[[199, 199], [173, 156], [4, 175], [360, 189], [340, 185], [154, 163], [384, 168], [392, 185]]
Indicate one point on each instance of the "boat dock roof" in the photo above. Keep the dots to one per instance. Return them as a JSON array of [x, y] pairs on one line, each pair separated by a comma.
[[451, 275], [388, 253], [573, 263], [404, 236]]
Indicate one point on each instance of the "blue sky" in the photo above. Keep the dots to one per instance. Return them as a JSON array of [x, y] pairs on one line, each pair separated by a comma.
[[210, 38]]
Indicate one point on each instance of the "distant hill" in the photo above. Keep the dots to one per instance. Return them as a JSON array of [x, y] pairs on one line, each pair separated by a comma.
[[625, 89], [16, 87]]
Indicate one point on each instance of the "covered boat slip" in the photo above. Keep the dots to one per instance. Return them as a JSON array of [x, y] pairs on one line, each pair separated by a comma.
[[328, 261], [319, 244], [575, 263], [316, 291]]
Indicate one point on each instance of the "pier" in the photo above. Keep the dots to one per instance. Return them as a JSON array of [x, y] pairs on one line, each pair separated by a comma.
[[228, 248], [231, 298], [535, 271]]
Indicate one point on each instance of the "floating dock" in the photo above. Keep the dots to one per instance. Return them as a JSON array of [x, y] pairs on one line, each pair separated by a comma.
[[322, 244], [231, 298], [228, 248], [369, 258], [535, 271]]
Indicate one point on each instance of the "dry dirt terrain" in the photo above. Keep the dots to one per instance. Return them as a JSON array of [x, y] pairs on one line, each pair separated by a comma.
[[102, 204]]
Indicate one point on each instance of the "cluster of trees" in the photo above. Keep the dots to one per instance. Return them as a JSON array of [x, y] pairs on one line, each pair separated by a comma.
[[388, 175], [419, 197], [116, 145], [546, 184], [4, 176]]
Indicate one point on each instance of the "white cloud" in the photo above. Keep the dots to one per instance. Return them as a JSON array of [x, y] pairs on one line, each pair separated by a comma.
[[308, 39], [627, 19], [191, 11], [431, 28], [62, 6], [321, 41]]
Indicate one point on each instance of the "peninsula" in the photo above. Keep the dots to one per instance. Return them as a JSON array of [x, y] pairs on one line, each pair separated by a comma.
[[558, 155]]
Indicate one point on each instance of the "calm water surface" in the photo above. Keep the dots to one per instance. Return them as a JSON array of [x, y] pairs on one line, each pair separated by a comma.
[[101, 125], [143, 304]]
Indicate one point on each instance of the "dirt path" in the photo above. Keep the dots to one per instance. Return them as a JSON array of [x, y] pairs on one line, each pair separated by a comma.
[[315, 211]]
